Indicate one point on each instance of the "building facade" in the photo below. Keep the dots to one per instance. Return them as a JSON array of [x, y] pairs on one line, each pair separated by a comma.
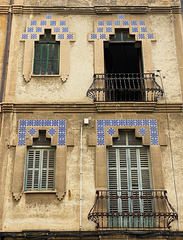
[[91, 119]]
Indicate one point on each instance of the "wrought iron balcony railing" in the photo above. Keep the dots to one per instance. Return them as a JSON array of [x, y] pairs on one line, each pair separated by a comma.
[[119, 87], [132, 209]]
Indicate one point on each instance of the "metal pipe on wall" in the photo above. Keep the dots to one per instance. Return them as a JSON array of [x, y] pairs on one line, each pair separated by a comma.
[[81, 176], [6, 52]]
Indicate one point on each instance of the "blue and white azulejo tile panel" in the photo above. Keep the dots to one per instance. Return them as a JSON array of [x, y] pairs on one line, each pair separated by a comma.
[[23, 124], [107, 25], [58, 26], [152, 123]]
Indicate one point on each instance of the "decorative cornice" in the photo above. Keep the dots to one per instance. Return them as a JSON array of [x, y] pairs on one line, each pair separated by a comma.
[[4, 9], [22, 9], [102, 107]]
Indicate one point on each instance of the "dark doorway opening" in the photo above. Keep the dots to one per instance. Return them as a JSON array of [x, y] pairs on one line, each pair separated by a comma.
[[123, 68]]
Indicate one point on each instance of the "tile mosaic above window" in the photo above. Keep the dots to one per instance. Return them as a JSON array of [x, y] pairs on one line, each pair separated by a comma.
[[60, 124], [135, 25], [152, 123], [37, 27]]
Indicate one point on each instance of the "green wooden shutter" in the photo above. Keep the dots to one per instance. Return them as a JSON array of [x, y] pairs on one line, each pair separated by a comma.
[[46, 58]]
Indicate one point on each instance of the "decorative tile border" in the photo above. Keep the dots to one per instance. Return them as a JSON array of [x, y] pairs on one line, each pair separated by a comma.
[[23, 124], [58, 27], [139, 28], [152, 123]]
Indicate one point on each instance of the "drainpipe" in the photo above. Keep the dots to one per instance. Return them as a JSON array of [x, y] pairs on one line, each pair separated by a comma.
[[6, 52], [81, 177]]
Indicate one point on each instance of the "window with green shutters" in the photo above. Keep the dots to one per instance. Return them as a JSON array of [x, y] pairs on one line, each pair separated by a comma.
[[129, 175], [40, 169], [46, 55]]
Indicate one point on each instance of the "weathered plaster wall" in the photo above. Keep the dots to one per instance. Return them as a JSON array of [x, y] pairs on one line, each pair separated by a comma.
[[81, 63], [45, 209], [164, 55], [3, 29], [89, 3]]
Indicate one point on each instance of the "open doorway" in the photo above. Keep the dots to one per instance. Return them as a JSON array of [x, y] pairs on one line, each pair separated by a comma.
[[123, 67]]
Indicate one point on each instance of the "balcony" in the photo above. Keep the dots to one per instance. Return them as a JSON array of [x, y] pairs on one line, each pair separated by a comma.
[[132, 209], [120, 87]]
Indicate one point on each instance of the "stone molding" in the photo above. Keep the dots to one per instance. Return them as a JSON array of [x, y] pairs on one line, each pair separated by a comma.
[[147, 140], [35, 27], [102, 107]]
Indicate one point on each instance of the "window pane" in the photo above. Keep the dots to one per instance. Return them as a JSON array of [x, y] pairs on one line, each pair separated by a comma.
[[55, 67], [50, 66], [38, 51], [37, 67], [56, 51], [44, 52], [43, 67]]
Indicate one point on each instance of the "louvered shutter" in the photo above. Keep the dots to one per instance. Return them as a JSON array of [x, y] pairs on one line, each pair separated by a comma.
[[134, 181], [112, 180], [33, 165], [123, 179], [40, 169], [48, 170], [146, 181]]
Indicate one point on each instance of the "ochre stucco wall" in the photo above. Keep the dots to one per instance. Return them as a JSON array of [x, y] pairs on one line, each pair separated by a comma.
[[3, 29], [82, 64]]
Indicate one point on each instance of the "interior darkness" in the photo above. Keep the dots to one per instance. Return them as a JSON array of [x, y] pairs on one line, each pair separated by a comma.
[[42, 140], [122, 57]]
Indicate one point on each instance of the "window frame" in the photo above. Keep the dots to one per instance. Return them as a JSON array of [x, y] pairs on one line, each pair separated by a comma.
[[48, 44], [40, 170]]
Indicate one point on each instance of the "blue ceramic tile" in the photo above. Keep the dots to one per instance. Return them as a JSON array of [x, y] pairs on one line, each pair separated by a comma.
[[56, 29], [30, 29], [65, 29], [100, 29], [141, 36], [48, 16], [93, 36], [24, 36], [33, 23], [108, 23], [111, 131], [38, 29], [143, 29], [125, 23], [52, 131], [33, 36], [100, 23], [121, 17], [109, 29], [70, 36], [62, 23], [135, 29], [43, 23], [142, 23], [150, 36], [32, 131], [142, 131], [60, 36], [53, 23], [117, 23], [102, 36], [133, 23]]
